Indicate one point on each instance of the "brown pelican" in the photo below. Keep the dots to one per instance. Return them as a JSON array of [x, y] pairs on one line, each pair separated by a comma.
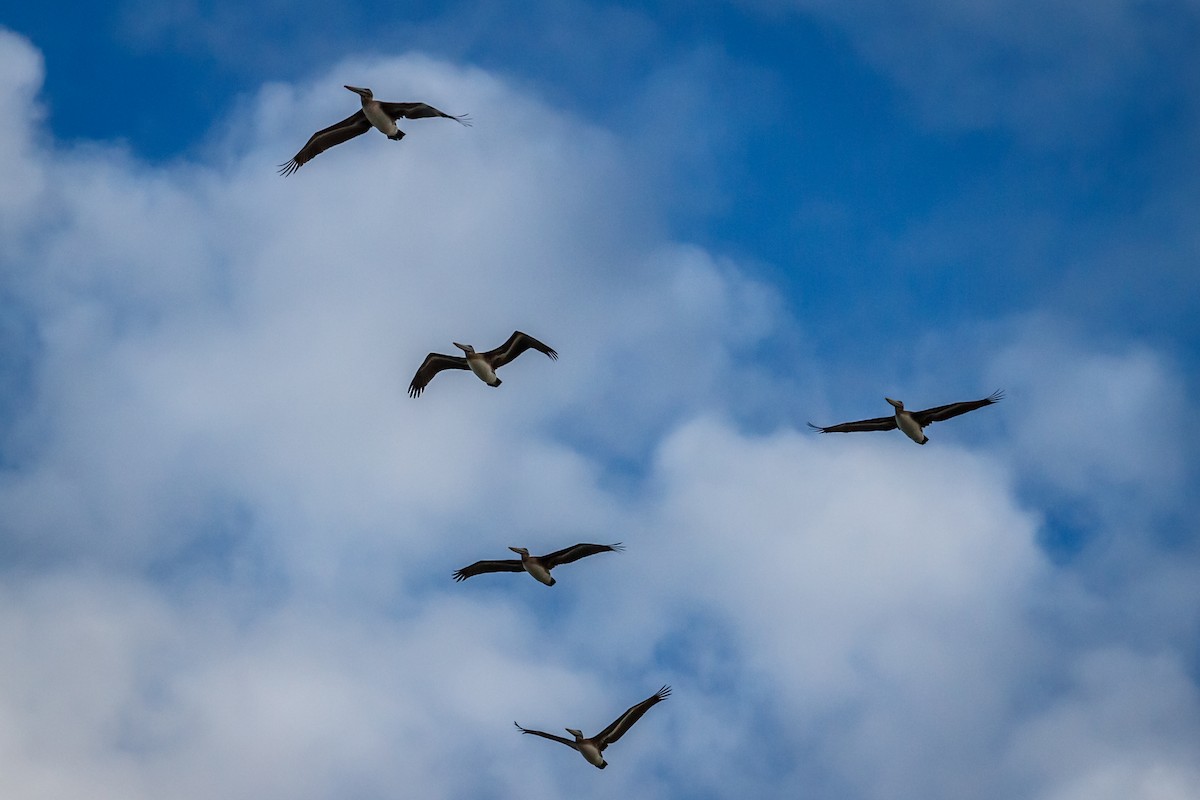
[[911, 422], [374, 113], [482, 364], [537, 566], [593, 747]]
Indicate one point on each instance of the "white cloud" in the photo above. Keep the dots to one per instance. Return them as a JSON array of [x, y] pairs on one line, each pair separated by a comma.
[[23, 177], [1094, 416], [1123, 729]]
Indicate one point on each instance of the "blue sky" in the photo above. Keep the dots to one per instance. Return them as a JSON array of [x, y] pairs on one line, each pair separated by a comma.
[[227, 534]]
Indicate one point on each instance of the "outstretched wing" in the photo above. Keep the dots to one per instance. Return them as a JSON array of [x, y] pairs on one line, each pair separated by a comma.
[[624, 722], [576, 552], [517, 343], [480, 567], [420, 111], [940, 413], [877, 424], [432, 365], [549, 736], [322, 140]]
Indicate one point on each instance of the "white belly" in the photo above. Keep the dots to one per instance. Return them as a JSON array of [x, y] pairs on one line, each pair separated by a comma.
[[538, 571], [910, 428], [592, 754], [380, 120], [484, 370]]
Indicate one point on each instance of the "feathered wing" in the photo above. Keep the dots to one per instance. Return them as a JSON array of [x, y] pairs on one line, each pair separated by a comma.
[[576, 552], [950, 410], [432, 365], [420, 111], [624, 722], [480, 567], [353, 125], [549, 736], [517, 343], [877, 424]]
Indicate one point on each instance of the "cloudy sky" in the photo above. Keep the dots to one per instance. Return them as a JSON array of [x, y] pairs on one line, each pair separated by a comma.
[[227, 535]]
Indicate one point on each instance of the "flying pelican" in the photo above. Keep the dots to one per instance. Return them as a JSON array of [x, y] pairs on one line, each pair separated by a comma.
[[911, 422], [537, 566], [374, 113], [593, 747], [482, 364]]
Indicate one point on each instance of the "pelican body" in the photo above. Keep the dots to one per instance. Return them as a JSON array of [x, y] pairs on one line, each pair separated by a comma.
[[537, 566], [592, 748], [374, 114], [373, 110], [484, 365], [481, 366], [911, 423]]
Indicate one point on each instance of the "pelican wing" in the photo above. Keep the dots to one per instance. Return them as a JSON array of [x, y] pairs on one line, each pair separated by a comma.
[[624, 722], [517, 343], [576, 552], [420, 111], [353, 125], [877, 424], [940, 413], [549, 736], [432, 365], [480, 567]]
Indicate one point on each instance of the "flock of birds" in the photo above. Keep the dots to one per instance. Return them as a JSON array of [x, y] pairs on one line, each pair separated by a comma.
[[383, 117]]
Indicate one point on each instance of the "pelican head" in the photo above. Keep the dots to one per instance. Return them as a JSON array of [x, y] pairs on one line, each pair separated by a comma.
[[466, 348], [575, 733], [898, 404], [521, 551], [366, 94]]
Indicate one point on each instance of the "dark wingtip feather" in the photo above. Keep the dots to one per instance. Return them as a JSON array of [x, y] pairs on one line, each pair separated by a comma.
[[664, 692], [817, 428]]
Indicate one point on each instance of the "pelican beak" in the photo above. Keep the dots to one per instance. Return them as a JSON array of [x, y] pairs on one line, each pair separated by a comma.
[[896, 403], [358, 90]]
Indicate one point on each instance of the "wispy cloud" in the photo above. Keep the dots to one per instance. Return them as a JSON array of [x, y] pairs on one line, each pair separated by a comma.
[[1047, 72]]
